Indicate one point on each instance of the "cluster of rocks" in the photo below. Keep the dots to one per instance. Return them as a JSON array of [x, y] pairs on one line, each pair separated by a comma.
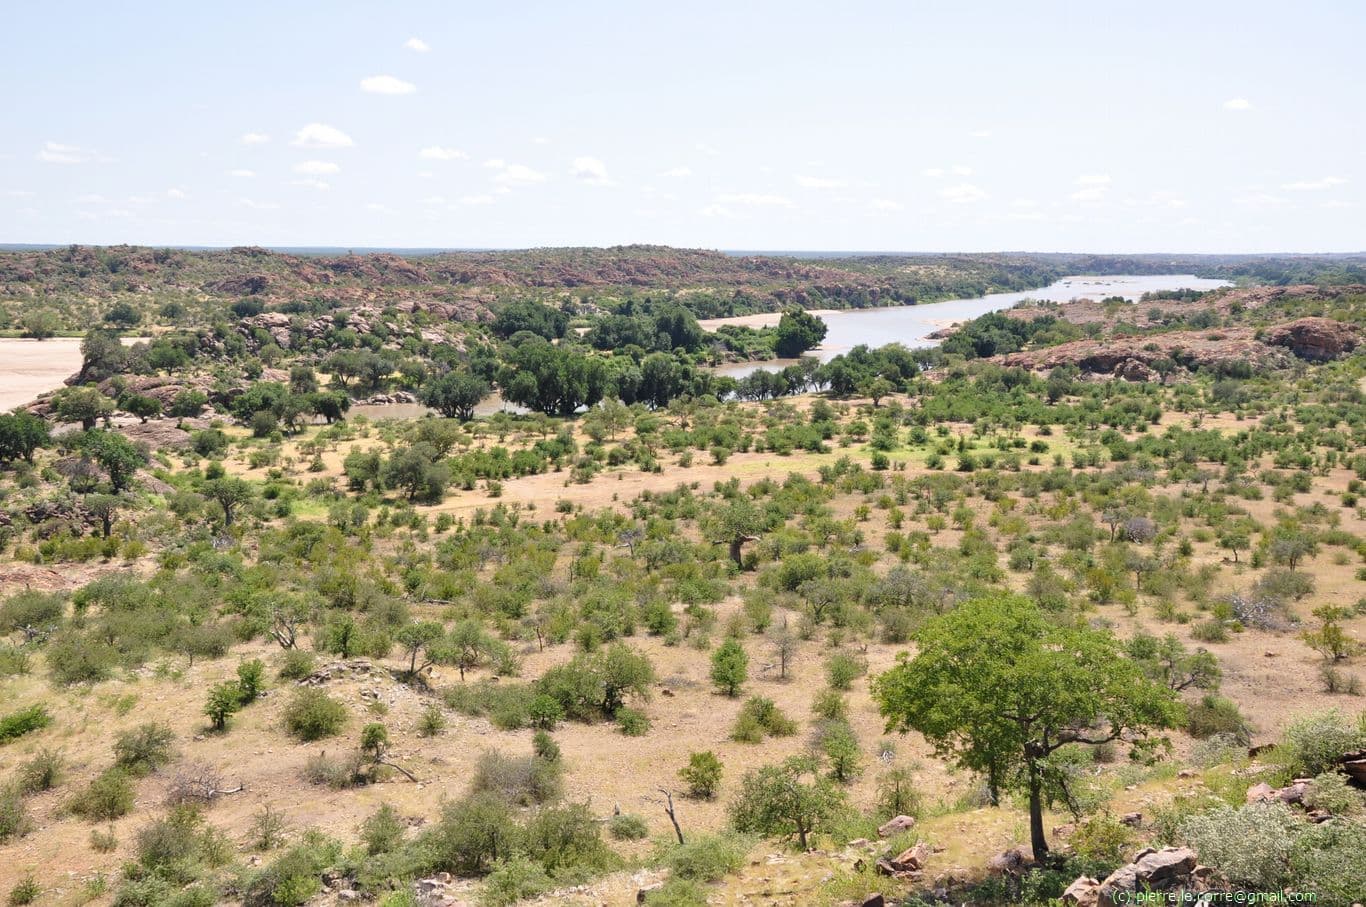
[[341, 670], [1293, 794], [1173, 870]]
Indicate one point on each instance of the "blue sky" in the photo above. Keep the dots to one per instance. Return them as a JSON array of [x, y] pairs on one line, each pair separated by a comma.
[[1154, 126]]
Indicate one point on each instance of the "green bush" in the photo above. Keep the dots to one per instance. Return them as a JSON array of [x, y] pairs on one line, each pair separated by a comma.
[[707, 858], [336, 772], [296, 664], [73, 658], [25, 721], [702, 774], [1332, 792], [109, 796], [633, 722], [293, 877], [1103, 840], [759, 717], [25, 891], [144, 749], [626, 827], [1313, 744], [312, 715], [842, 669], [42, 772], [678, 893], [514, 879], [1215, 714], [14, 821]]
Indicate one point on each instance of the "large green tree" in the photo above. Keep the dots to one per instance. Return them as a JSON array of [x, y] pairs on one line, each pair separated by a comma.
[[454, 394], [1000, 686], [798, 331]]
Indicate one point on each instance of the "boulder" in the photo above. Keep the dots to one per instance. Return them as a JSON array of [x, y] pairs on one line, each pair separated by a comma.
[[1084, 892], [1133, 820], [896, 826], [1152, 870], [1314, 339], [1261, 793], [1011, 861]]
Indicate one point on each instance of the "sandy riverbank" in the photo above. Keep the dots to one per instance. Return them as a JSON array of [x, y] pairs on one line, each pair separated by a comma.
[[759, 320], [32, 367]]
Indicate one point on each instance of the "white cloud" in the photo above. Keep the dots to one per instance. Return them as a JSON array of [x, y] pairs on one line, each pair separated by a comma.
[[310, 183], [20, 193], [940, 172], [818, 182], [57, 153], [677, 172], [175, 193], [716, 211], [386, 85], [476, 200], [514, 174], [590, 170], [242, 173], [981, 134], [438, 153], [320, 135], [1237, 104], [885, 204], [707, 149], [418, 45], [254, 138], [316, 168], [1094, 186], [754, 200], [259, 206], [540, 140], [1318, 185], [433, 200], [963, 193]]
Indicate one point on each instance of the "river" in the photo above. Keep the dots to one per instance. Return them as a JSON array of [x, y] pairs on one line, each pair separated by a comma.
[[912, 325]]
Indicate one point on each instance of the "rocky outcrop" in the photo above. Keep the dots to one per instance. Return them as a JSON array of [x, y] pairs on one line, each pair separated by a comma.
[[1315, 339], [1171, 869], [896, 826], [1144, 358]]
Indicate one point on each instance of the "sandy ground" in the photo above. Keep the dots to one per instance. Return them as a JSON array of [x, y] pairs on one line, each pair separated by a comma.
[[760, 320], [32, 367], [29, 368]]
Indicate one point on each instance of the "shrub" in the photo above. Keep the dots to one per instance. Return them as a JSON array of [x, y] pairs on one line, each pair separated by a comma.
[[224, 699], [514, 879], [729, 667], [251, 680], [296, 664], [567, 841], [830, 705], [678, 893], [633, 722], [626, 827], [1103, 840], [1332, 792], [432, 722], [382, 831], [758, 717], [294, 876], [1215, 714], [42, 772], [1313, 744], [313, 715], [25, 891], [522, 780], [896, 794], [336, 772], [25, 721], [471, 835], [144, 749], [1250, 845], [14, 821], [109, 796], [73, 658], [702, 774], [545, 747], [842, 669], [707, 858]]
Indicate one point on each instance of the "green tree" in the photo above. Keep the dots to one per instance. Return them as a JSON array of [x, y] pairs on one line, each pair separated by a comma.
[[21, 434], [105, 508], [230, 493], [999, 687], [738, 522], [119, 457], [40, 324], [416, 639], [454, 394], [798, 331], [141, 406], [729, 667], [85, 405], [787, 800], [702, 774], [224, 699]]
